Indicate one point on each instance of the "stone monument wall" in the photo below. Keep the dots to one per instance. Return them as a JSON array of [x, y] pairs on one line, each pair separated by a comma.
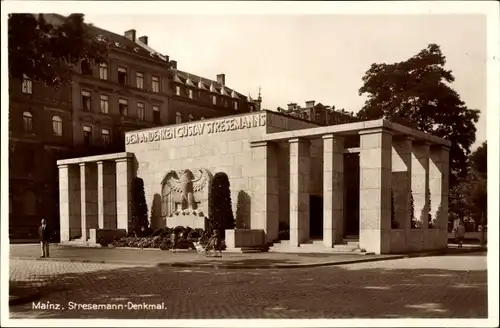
[[217, 145]]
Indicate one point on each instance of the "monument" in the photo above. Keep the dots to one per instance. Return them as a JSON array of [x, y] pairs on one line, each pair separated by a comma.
[[281, 170]]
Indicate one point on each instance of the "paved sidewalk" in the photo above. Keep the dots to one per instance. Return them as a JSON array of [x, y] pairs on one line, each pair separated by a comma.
[[193, 259]]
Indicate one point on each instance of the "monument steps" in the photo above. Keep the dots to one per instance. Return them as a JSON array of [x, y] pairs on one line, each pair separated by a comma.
[[317, 246]]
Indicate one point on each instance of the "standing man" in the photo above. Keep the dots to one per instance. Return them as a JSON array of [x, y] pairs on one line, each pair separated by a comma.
[[44, 233]]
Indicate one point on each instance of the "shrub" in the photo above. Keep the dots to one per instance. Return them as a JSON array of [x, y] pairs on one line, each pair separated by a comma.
[[219, 207], [139, 217]]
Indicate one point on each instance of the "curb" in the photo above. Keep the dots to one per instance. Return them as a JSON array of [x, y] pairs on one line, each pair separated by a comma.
[[233, 266]]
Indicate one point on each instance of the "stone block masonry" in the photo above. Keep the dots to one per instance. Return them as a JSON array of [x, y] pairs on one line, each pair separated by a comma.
[[276, 165]]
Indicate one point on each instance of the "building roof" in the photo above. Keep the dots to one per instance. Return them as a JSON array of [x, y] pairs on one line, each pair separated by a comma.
[[113, 40], [182, 77]]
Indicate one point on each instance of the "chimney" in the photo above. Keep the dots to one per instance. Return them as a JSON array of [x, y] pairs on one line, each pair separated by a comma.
[[221, 79], [173, 64], [144, 39], [130, 34], [291, 106], [310, 103]]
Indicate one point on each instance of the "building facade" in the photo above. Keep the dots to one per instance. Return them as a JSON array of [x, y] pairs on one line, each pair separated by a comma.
[[318, 113], [135, 88]]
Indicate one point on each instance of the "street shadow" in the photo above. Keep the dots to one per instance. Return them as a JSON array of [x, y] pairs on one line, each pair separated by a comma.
[[326, 292]]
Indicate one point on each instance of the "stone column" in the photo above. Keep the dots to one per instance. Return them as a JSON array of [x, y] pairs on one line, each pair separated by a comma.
[[375, 163], [299, 191], [264, 184], [401, 180], [439, 189], [88, 183], [333, 190], [69, 202], [124, 176], [106, 191], [419, 183]]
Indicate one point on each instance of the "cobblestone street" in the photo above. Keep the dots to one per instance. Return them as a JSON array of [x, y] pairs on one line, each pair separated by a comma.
[[435, 287]]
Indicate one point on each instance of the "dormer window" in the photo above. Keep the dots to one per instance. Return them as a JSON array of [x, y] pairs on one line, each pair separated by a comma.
[[214, 99], [177, 90], [235, 105], [190, 94]]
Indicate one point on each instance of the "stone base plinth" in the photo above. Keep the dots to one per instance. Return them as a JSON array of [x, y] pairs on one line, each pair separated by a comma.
[[107, 234], [187, 220], [245, 238]]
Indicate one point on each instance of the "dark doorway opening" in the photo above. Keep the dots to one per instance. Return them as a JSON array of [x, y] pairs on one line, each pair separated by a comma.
[[351, 194], [316, 217]]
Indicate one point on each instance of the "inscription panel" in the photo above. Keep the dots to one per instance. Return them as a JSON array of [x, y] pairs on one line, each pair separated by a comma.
[[196, 129]]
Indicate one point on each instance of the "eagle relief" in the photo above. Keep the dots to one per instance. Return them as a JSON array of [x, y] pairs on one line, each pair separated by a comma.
[[185, 193]]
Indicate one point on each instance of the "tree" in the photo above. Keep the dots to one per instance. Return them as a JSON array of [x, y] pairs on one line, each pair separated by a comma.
[[417, 92], [139, 207], [220, 211], [44, 46], [469, 197]]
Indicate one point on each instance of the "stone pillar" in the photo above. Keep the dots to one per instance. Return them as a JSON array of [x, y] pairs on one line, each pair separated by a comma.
[[439, 188], [106, 191], [299, 191], [375, 163], [333, 190], [401, 181], [420, 183], [88, 183], [69, 202], [264, 184], [124, 176]]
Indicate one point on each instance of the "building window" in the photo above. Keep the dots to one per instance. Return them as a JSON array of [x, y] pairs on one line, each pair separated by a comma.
[[27, 122], [190, 94], [103, 71], [191, 118], [235, 105], [225, 102], [27, 86], [29, 203], [156, 114], [178, 118], [57, 126], [105, 136], [140, 80], [251, 108], [104, 104], [177, 90], [123, 105], [86, 67], [202, 118], [122, 75], [214, 100], [141, 111], [156, 83], [86, 100], [87, 135]]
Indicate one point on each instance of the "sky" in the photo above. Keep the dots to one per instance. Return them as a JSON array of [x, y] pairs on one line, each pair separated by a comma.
[[296, 58]]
